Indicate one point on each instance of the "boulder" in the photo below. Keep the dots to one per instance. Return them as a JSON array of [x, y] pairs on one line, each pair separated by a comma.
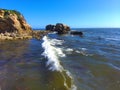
[[76, 33], [50, 27], [59, 28]]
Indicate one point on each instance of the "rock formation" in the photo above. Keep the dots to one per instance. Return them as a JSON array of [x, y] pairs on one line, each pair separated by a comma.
[[59, 28], [76, 33], [38, 34], [50, 27], [12, 21], [14, 26]]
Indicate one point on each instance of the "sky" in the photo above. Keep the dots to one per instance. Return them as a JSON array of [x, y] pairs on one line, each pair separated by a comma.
[[74, 13]]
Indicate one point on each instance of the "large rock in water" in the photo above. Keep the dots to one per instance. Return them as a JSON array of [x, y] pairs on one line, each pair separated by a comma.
[[76, 33], [13, 21], [50, 27], [59, 28]]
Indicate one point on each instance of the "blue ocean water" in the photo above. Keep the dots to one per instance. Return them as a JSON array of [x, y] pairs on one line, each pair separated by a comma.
[[62, 62]]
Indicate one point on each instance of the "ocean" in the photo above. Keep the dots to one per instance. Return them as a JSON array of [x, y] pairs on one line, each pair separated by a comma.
[[62, 62]]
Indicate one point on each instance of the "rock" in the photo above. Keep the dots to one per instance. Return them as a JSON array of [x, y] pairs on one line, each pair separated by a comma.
[[50, 27], [13, 21], [13, 26], [62, 28], [76, 33], [13, 36], [39, 34], [1, 13], [59, 28]]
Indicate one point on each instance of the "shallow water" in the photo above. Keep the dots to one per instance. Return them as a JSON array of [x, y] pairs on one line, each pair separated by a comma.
[[66, 62]]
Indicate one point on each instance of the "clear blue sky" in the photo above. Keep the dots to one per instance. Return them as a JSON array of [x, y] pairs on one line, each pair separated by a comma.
[[75, 13]]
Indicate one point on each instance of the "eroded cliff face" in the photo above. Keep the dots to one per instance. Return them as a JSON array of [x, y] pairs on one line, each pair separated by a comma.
[[12, 21]]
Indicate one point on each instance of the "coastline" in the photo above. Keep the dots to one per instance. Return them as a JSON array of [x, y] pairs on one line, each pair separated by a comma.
[[15, 36]]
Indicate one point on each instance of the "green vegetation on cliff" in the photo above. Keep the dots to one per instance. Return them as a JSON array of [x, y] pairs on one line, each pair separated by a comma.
[[12, 21], [8, 12]]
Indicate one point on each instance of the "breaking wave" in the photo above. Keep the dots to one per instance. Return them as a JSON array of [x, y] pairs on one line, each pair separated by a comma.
[[53, 53]]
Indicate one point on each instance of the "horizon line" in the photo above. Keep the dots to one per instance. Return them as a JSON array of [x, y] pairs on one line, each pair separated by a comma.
[[84, 27]]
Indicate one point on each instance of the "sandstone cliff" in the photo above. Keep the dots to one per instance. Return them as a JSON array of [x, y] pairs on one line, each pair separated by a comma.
[[13, 21]]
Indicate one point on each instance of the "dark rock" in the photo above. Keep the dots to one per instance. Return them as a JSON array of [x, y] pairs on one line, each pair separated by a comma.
[[50, 27], [76, 33], [59, 28]]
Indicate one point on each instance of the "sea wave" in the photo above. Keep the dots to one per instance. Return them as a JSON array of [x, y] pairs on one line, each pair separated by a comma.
[[113, 66], [53, 53], [56, 42], [82, 51], [113, 39]]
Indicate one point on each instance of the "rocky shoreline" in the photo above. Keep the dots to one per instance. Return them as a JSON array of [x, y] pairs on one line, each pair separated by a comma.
[[13, 36], [13, 26]]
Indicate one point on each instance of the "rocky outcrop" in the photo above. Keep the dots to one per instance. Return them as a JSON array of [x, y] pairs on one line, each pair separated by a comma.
[[12, 21], [76, 33], [50, 27], [14, 36], [38, 34], [59, 28]]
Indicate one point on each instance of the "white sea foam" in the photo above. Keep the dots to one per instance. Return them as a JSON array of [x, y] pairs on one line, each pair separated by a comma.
[[69, 49], [73, 87], [82, 51], [52, 33], [52, 53], [114, 39], [77, 51], [113, 66], [56, 42]]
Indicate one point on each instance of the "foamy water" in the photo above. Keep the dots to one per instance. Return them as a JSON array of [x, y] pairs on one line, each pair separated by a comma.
[[53, 53], [113, 39], [23, 67], [82, 51]]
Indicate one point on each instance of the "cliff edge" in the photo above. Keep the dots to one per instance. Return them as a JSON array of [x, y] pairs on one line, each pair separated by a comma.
[[13, 25]]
